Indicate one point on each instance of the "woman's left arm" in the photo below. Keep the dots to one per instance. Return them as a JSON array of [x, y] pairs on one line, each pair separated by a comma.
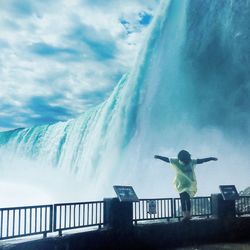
[[199, 161]]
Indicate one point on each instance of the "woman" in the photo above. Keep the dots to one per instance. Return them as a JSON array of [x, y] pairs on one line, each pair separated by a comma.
[[185, 180]]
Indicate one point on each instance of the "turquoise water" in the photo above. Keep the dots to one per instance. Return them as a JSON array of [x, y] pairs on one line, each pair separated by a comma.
[[189, 89]]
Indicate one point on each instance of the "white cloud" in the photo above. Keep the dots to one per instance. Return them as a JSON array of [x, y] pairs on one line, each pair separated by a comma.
[[65, 52]]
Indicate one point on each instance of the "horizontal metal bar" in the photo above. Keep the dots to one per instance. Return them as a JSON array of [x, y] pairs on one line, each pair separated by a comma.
[[25, 207], [78, 203], [146, 199], [160, 218], [77, 227], [23, 235]]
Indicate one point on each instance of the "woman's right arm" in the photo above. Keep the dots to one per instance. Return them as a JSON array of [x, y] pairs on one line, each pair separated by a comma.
[[166, 159]]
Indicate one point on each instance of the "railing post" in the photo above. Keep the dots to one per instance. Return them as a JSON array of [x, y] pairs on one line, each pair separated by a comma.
[[55, 219], [172, 207], [50, 218], [210, 207]]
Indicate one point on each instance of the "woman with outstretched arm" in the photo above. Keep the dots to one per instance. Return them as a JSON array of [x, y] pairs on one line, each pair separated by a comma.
[[185, 180]]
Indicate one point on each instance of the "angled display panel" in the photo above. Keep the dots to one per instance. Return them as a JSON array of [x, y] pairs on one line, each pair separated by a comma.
[[229, 192], [126, 193]]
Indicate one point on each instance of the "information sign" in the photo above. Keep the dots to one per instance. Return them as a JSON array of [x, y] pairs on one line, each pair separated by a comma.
[[229, 192], [126, 193]]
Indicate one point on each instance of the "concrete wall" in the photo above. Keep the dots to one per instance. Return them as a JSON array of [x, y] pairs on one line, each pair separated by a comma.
[[151, 236]]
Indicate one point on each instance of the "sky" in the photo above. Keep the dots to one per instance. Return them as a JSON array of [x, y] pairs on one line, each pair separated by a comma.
[[60, 58]]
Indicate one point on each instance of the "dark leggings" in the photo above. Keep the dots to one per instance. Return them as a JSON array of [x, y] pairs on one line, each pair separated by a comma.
[[185, 202]]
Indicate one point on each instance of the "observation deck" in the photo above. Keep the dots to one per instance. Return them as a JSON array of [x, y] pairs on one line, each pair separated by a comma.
[[153, 223]]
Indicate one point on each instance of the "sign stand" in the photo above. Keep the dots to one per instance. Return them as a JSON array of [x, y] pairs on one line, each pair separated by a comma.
[[223, 204], [118, 212]]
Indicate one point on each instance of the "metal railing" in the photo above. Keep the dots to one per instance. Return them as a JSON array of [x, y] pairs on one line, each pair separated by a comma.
[[77, 215], [31, 220], [152, 209], [200, 206], [243, 205], [25, 221]]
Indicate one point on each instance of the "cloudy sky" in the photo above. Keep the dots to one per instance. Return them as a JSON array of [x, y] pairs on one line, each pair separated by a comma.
[[60, 58]]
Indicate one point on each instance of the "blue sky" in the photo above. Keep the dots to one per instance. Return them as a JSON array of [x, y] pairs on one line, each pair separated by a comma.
[[60, 58]]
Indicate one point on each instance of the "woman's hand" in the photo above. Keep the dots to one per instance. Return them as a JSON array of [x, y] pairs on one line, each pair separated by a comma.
[[214, 159]]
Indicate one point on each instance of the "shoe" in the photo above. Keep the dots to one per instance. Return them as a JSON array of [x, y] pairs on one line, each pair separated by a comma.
[[184, 219], [186, 216]]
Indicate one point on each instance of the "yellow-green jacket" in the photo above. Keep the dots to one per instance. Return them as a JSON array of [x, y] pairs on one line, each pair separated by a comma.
[[185, 179]]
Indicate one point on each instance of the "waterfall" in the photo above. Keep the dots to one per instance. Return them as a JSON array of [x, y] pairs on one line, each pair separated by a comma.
[[189, 89]]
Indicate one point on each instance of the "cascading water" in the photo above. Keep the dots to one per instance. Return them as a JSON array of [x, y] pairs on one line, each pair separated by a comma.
[[189, 89]]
